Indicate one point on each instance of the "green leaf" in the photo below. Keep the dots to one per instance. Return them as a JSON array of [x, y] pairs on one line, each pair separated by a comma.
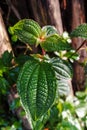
[[53, 118], [26, 30], [37, 87], [14, 38], [81, 95], [63, 87], [55, 42], [21, 59], [63, 73], [7, 58], [15, 104], [80, 31], [12, 75], [4, 86], [81, 109], [49, 30], [3, 68], [66, 125], [62, 70]]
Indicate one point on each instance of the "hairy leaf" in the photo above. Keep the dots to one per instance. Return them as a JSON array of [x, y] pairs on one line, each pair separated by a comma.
[[49, 30], [55, 42], [63, 74], [80, 31], [37, 87], [62, 70], [63, 87], [26, 30]]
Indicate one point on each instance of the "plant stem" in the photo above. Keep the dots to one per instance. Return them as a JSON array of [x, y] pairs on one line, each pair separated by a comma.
[[79, 48], [43, 52]]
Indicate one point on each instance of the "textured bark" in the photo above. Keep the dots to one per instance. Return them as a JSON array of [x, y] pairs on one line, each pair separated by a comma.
[[4, 39], [13, 9], [46, 12], [20, 8], [66, 12], [78, 17], [55, 14]]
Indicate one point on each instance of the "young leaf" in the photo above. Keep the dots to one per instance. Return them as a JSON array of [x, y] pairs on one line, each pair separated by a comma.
[[26, 30], [55, 42], [49, 30], [80, 31], [36, 87]]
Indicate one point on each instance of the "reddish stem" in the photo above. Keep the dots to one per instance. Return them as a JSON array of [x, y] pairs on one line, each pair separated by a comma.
[[43, 52]]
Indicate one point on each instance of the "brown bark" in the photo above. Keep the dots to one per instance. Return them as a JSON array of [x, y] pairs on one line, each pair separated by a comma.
[[4, 40], [13, 8], [47, 12], [21, 9], [55, 14], [78, 17]]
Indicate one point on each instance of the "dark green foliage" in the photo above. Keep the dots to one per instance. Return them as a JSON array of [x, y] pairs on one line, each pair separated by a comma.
[[41, 77], [61, 69], [65, 125], [4, 85], [21, 59], [7, 58], [26, 30], [55, 43], [42, 80], [8, 78], [80, 31], [37, 87], [63, 73]]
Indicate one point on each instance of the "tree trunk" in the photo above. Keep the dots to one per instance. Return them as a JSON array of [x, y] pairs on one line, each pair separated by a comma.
[[4, 40], [46, 12], [78, 17]]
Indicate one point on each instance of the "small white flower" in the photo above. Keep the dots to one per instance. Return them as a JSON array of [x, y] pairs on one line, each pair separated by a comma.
[[72, 51], [76, 101], [64, 114], [64, 58], [56, 53], [69, 40], [63, 52], [78, 58], [65, 35]]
